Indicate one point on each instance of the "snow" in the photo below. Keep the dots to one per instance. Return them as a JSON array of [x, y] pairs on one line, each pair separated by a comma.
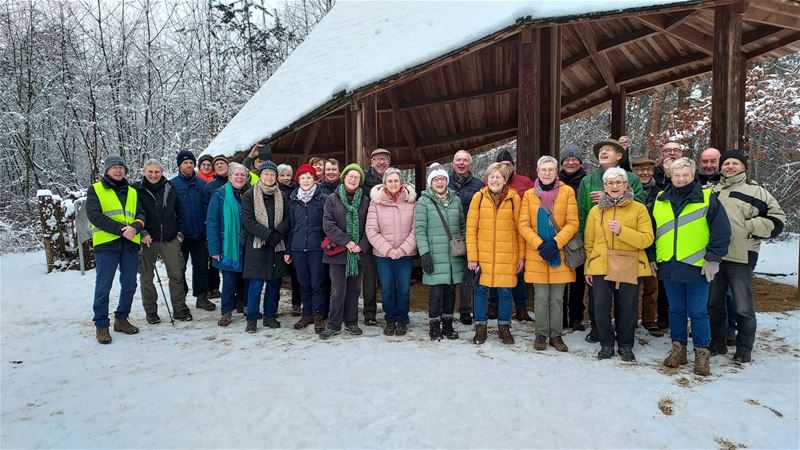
[[778, 259], [199, 385], [43, 193], [361, 42]]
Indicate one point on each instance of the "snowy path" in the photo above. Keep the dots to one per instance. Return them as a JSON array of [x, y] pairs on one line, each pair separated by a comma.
[[199, 385]]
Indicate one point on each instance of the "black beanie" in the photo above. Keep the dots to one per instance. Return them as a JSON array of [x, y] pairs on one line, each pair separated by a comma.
[[505, 155], [736, 154], [183, 155]]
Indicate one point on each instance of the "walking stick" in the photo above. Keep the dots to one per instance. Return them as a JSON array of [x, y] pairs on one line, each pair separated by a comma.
[[163, 295]]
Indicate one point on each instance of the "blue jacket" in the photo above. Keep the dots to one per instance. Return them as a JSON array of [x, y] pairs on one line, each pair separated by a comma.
[[209, 189], [306, 233], [216, 230], [190, 192], [465, 190]]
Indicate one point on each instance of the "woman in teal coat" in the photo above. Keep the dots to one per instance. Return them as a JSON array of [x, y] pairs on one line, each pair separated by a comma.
[[440, 269]]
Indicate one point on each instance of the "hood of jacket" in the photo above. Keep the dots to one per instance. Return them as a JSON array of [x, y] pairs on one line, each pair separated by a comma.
[[407, 195]]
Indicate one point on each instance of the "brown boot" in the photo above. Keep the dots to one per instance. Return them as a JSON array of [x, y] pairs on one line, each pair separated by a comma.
[[559, 344], [225, 320], [303, 322], [203, 303], [522, 315], [701, 356], [319, 323], [504, 331], [103, 336], [540, 343], [677, 355], [480, 334], [491, 311], [435, 330], [123, 326]]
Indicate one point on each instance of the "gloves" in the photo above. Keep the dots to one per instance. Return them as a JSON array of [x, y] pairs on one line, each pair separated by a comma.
[[274, 239], [654, 268], [427, 263], [548, 250], [710, 269]]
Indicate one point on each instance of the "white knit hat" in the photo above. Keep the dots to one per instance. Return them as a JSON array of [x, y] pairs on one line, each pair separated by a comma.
[[436, 170]]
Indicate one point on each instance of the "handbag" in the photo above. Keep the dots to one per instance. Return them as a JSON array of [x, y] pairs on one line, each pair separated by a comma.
[[574, 251], [331, 248], [622, 264], [458, 245]]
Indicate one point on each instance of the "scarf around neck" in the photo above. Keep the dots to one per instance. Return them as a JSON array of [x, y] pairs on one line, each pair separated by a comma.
[[232, 226], [306, 196], [260, 209], [352, 227], [547, 192]]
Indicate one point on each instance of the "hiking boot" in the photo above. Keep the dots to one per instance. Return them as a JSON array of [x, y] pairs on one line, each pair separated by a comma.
[[123, 326], [504, 331], [480, 334], [677, 355], [389, 329], [319, 323], [153, 319], [271, 322], [730, 338], [296, 312], [225, 320], [522, 315], [653, 329], [185, 316], [577, 325], [303, 322], [401, 330], [742, 355], [605, 352], [214, 293], [240, 309], [701, 357], [327, 333], [540, 343], [447, 328], [465, 318], [626, 354], [592, 337], [103, 336], [491, 311], [203, 303], [717, 348], [251, 326], [370, 320], [662, 324], [435, 330], [559, 344], [353, 329]]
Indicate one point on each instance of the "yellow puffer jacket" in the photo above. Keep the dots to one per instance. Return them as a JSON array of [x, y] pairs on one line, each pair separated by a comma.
[[636, 235], [492, 238], [565, 213]]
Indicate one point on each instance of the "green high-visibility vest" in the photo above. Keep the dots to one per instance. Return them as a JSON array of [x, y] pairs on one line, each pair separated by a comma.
[[253, 178], [109, 202], [692, 227]]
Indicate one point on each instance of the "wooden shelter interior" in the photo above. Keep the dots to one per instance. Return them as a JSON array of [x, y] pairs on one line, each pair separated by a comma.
[[525, 80]]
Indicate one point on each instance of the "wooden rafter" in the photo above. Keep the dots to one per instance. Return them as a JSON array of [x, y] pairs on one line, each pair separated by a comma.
[[682, 32], [467, 135], [460, 97], [785, 16], [587, 37], [787, 40], [406, 127], [311, 138]]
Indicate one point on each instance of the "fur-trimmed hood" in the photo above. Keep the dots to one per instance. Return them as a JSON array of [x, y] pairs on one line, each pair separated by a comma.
[[407, 194]]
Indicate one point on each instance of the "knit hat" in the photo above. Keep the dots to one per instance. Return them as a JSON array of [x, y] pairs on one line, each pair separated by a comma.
[[436, 170], [268, 165], [305, 168], [505, 155], [220, 158], [612, 142], [208, 158], [114, 160], [736, 154], [571, 151], [265, 153], [355, 167], [183, 155]]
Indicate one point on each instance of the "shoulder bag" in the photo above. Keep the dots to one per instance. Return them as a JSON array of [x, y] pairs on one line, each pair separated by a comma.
[[574, 252], [458, 245]]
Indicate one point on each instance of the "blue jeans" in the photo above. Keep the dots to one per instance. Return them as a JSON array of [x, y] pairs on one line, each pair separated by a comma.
[[106, 263], [395, 276], [519, 293], [688, 300], [271, 294], [482, 304], [232, 287], [311, 278]]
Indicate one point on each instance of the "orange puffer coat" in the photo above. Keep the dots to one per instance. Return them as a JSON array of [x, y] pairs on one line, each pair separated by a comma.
[[492, 238], [565, 213]]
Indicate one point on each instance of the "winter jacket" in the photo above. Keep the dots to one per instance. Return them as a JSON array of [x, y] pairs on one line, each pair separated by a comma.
[[753, 214], [650, 193], [216, 229], [565, 213], [636, 235], [391, 224], [306, 234], [334, 224], [94, 213], [190, 197], [594, 182], [264, 263], [520, 183], [371, 179], [329, 188], [163, 218], [466, 189], [718, 241], [209, 189], [707, 181], [661, 178], [574, 180], [492, 238], [432, 237]]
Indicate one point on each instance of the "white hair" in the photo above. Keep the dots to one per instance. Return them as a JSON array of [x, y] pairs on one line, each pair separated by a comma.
[[283, 168], [153, 162], [546, 159], [234, 166], [613, 173], [680, 163], [469, 155]]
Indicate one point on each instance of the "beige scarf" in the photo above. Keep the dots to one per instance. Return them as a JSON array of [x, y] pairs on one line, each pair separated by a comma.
[[261, 211]]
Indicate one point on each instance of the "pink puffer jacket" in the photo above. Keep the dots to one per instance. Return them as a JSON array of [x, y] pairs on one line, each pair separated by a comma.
[[390, 224]]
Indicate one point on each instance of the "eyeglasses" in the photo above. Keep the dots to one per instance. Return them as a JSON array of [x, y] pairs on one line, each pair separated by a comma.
[[671, 150], [548, 170], [496, 177], [615, 183]]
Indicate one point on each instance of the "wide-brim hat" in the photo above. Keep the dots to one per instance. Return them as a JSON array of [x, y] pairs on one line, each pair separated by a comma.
[[612, 142]]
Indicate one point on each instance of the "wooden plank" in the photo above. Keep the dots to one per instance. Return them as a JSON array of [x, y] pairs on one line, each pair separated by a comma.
[[369, 125], [466, 135], [726, 87], [657, 69], [311, 138], [682, 32], [549, 132], [625, 39], [786, 17], [618, 114], [460, 97], [783, 42], [527, 99], [587, 37]]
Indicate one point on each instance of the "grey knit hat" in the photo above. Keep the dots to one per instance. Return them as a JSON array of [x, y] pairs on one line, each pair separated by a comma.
[[571, 151], [114, 160]]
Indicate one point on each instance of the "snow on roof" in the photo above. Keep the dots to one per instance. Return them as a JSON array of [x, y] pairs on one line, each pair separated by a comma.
[[360, 42]]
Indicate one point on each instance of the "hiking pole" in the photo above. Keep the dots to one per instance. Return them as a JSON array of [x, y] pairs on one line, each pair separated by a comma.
[[155, 266]]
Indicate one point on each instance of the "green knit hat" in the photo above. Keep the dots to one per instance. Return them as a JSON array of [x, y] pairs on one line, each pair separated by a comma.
[[355, 167]]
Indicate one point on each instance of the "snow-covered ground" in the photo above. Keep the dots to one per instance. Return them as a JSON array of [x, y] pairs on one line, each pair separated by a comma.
[[778, 259], [199, 385]]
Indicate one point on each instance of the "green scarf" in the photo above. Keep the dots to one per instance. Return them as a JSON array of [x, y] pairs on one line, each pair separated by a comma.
[[232, 226], [353, 228]]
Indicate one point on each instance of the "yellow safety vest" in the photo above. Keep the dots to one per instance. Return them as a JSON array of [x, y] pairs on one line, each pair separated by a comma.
[[253, 178], [692, 226], [109, 202]]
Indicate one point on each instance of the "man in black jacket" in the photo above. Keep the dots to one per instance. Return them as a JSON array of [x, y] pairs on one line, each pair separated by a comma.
[[571, 173], [162, 235], [380, 159]]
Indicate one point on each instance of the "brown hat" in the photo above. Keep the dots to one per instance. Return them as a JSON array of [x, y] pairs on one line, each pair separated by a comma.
[[220, 157], [642, 161], [380, 151], [612, 142]]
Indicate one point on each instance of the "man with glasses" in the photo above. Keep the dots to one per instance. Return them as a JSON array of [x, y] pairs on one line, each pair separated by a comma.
[[671, 151], [380, 158], [644, 168]]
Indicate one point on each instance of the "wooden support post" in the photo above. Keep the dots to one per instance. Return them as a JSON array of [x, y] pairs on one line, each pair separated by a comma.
[[727, 95], [618, 114], [526, 99], [549, 133], [419, 172], [353, 138], [369, 126]]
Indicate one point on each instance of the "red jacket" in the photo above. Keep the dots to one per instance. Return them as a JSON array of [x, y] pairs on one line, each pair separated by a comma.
[[520, 183]]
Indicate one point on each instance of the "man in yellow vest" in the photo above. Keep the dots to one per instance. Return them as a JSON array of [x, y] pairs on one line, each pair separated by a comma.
[[117, 218]]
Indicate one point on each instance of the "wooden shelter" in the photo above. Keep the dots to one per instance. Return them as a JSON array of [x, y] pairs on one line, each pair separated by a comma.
[[523, 80]]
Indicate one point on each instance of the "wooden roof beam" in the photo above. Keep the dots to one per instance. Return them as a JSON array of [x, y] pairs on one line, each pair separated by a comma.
[[662, 67], [778, 14], [682, 32], [460, 97], [602, 63], [406, 127], [311, 138], [794, 37], [668, 78], [467, 135]]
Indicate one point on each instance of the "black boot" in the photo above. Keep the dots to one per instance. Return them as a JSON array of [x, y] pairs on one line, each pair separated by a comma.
[[447, 328], [251, 326], [466, 318], [435, 331]]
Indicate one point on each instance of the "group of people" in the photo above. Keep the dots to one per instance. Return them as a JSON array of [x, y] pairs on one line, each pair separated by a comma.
[[687, 237]]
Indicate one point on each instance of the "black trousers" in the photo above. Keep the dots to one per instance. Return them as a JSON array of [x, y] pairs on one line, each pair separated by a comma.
[[441, 300], [573, 298], [625, 303], [197, 249]]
